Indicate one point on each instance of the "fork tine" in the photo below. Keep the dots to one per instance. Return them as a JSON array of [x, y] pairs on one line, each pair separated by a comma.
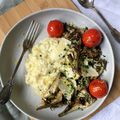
[[36, 33], [33, 32], [29, 29]]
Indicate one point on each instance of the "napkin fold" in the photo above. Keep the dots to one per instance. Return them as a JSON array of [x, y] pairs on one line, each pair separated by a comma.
[[112, 6], [109, 8], [10, 112], [6, 4], [110, 112]]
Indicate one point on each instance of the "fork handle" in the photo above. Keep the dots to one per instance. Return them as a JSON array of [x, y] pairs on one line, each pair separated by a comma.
[[18, 63], [115, 33]]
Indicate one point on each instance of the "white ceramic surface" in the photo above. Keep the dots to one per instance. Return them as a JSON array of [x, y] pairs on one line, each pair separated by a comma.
[[23, 96]]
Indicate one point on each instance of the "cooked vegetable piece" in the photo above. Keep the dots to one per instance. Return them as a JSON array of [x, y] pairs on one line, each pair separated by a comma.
[[56, 100], [90, 52], [83, 100], [67, 88], [83, 83], [92, 68], [54, 86]]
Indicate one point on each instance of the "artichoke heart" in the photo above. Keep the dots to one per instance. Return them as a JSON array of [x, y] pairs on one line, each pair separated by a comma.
[[67, 88]]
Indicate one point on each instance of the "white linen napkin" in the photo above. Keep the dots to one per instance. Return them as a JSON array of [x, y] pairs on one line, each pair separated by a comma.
[[110, 112], [10, 112], [109, 8], [6, 4]]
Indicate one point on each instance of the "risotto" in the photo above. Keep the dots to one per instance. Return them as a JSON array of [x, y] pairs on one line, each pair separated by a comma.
[[45, 62]]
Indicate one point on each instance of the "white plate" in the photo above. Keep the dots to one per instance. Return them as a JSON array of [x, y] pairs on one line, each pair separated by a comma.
[[23, 97]]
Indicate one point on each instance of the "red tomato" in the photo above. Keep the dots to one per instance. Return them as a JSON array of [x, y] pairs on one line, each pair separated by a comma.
[[98, 88], [92, 38], [55, 28]]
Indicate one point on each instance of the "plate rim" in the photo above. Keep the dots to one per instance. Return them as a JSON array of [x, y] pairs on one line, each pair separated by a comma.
[[67, 10]]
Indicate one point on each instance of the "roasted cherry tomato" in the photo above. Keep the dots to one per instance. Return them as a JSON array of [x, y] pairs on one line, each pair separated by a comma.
[[92, 38], [55, 28], [98, 88]]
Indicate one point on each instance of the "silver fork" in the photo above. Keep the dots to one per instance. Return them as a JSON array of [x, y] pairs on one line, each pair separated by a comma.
[[29, 40]]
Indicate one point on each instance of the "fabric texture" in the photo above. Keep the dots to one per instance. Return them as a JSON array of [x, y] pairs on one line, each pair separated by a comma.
[[7, 4], [111, 112]]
